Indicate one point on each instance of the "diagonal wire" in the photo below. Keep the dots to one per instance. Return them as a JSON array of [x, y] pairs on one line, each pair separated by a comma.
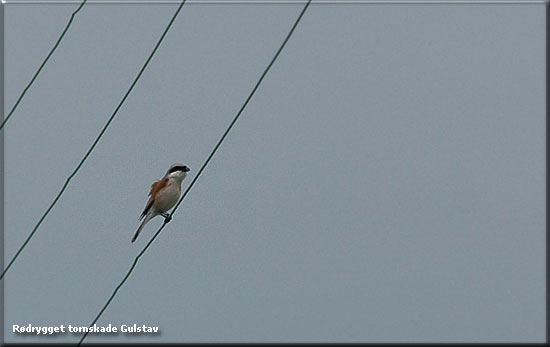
[[199, 172], [96, 140], [43, 64]]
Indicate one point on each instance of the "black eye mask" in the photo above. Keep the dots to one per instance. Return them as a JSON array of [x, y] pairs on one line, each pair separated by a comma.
[[178, 168]]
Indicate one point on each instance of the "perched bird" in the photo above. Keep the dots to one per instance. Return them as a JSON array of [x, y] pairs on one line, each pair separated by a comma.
[[163, 195]]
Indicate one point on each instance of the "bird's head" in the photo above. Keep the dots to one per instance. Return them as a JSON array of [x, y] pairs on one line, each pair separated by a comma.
[[177, 170]]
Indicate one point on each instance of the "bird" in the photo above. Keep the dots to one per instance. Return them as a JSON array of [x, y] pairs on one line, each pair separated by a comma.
[[163, 195]]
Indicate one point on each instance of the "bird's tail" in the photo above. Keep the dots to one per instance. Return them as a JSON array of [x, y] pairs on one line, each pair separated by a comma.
[[145, 221]]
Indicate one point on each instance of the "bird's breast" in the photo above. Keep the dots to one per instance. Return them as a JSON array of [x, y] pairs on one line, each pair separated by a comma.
[[167, 197]]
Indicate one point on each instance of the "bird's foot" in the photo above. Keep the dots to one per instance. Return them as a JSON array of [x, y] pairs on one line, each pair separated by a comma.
[[167, 217]]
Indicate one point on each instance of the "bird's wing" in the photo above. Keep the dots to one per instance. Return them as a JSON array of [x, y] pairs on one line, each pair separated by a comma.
[[155, 187]]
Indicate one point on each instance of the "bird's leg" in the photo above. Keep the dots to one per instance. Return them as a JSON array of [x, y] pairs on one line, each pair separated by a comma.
[[167, 217]]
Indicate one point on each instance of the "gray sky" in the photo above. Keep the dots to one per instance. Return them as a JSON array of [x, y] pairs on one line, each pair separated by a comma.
[[385, 184]]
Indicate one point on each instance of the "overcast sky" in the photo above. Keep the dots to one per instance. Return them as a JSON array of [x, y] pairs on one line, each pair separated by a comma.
[[385, 184]]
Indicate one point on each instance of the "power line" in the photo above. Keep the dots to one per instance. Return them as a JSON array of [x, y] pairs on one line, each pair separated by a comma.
[[42, 65], [296, 2], [96, 140], [201, 169]]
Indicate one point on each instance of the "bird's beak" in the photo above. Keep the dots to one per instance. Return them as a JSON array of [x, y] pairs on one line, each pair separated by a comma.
[[187, 169]]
